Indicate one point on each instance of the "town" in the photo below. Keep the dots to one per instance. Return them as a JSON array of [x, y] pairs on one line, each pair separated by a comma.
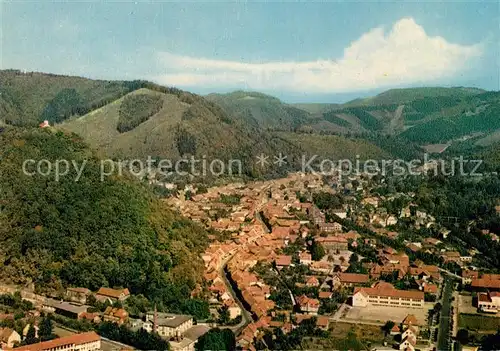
[[305, 254]]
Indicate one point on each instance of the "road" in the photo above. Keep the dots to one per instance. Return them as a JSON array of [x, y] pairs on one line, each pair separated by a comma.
[[444, 321]]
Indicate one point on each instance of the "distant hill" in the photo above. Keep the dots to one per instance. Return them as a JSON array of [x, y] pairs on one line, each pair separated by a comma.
[[125, 119], [29, 98], [420, 115], [261, 110], [399, 96]]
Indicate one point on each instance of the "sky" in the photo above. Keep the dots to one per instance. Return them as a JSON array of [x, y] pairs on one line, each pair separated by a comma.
[[297, 51]]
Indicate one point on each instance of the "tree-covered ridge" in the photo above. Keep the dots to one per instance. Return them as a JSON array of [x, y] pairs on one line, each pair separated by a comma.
[[90, 233]]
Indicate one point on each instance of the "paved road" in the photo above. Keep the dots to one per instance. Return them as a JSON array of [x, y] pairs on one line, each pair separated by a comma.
[[445, 318]]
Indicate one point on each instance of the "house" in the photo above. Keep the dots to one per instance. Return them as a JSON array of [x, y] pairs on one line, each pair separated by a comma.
[[330, 227], [189, 339], [115, 315], [410, 320], [9, 338], [67, 309], [395, 330], [283, 261], [167, 325], [305, 258], [78, 294], [322, 322], [385, 294], [312, 282], [341, 280], [333, 243], [325, 295], [112, 295], [321, 267], [489, 302], [90, 341], [468, 276], [308, 305]]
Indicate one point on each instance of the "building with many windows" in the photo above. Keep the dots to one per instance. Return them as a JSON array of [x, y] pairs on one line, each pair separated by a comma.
[[78, 342], [384, 294]]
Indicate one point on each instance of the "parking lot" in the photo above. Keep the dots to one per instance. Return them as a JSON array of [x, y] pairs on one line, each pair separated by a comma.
[[381, 314]]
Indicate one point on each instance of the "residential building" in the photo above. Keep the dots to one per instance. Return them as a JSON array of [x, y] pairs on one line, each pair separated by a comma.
[[385, 294], [167, 325], [115, 315], [308, 305], [333, 243], [112, 295], [90, 341], [468, 276], [78, 294], [305, 258], [283, 261], [489, 302], [67, 309], [340, 280]]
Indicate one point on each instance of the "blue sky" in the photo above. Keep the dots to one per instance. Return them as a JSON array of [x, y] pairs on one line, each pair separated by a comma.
[[298, 51]]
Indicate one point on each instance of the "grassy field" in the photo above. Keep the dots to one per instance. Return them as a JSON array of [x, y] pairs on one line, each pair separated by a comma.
[[346, 336], [478, 322]]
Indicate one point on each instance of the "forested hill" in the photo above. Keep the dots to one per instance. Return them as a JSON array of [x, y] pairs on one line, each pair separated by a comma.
[[90, 233]]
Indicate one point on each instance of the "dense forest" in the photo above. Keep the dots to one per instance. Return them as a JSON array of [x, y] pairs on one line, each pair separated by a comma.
[[87, 232]]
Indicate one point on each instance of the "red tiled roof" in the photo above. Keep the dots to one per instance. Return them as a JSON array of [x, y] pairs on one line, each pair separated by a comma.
[[353, 278], [76, 339], [485, 283], [324, 294], [283, 260], [112, 292]]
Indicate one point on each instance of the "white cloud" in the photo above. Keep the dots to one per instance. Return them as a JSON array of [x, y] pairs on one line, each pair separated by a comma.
[[405, 55]]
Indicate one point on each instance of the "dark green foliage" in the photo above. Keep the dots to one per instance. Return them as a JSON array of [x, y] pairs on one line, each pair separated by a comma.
[[46, 329], [217, 339], [445, 129], [231, 199], [388, 326], [333, 118], [366, 119], [90, 233], [136, 109], [326, 200], [186, 142], [16, 302], [31, 336]]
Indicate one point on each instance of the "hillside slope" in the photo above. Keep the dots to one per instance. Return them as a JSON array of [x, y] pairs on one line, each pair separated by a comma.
[[28, 98]]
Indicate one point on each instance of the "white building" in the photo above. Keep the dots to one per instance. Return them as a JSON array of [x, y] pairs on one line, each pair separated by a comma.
[[384, 294], [168, 325], [489, 302]]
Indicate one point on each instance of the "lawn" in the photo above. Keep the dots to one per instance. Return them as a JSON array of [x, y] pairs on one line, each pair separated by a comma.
[[478, 322]]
